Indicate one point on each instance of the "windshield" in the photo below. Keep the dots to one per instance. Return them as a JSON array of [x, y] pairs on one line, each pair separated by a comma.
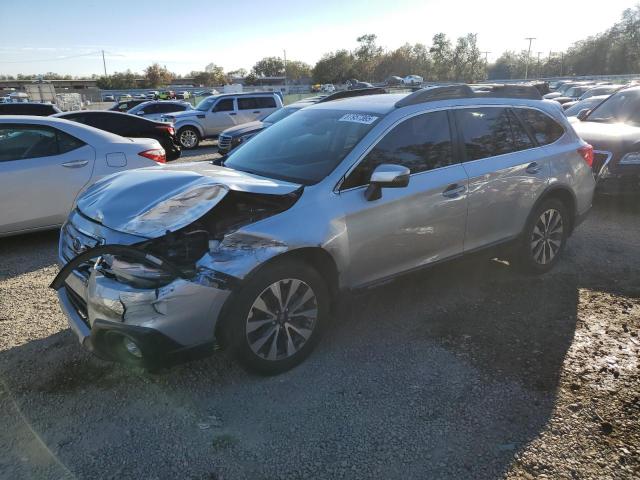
[[622, 107], [564, 88], [573, 110], [279, 115], [303, 148], [206, 104]]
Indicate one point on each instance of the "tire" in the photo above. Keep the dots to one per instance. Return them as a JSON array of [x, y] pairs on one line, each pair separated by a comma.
[[544, 238], [188, 137], [267, 339]]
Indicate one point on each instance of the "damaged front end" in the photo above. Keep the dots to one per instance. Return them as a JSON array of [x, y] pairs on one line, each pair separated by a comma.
[[149, 288]]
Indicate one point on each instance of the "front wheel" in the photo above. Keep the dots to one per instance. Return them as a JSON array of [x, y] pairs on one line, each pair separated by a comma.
[[544, 238], [188, 137], [277, 317]]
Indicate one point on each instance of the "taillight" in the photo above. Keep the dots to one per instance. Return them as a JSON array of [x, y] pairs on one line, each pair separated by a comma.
[[167, 128], [155, 154], [586, 152]]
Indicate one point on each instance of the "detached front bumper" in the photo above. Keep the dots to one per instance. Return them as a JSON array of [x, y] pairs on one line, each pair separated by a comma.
[[166, 325]]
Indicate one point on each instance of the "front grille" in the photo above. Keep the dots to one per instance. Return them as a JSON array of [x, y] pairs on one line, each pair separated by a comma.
[[224, 142], [78, 303], [599, 159], [74, 241]]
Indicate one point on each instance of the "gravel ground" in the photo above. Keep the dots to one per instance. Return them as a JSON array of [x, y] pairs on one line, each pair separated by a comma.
[[468, 370]]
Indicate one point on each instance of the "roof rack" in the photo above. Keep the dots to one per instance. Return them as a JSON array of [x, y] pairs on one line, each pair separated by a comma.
[[507, 90], [435, 93], [448, 92], [358, 92]]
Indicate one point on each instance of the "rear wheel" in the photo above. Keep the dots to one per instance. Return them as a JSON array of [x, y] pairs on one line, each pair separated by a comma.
[[188, 137], [544, 237], [277, 318]]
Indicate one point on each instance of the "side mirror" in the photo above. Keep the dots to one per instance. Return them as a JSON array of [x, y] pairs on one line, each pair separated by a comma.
[[584, 113], [386, 176]]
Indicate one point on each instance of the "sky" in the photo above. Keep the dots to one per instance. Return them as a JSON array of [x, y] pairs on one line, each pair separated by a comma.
[[67, 36]]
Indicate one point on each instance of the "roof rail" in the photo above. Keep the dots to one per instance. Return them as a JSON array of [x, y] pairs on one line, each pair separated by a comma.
[[506, 90], [448, 92], [435, 93], [358, 92]]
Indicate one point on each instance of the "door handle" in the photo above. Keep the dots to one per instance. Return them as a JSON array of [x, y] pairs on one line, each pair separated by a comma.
[[232, 113], [75, 164], [454, 191], [533, 168], [256, 111]]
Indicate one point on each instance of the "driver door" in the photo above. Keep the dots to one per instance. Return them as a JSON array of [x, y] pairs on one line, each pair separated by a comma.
[[222, 116], [412, 226], [41, 172]]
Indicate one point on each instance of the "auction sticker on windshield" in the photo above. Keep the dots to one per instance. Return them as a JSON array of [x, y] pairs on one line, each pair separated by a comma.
[[358, 118]]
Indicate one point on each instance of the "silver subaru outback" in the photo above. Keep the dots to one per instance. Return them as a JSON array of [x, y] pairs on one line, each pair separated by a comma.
[[161, 264]]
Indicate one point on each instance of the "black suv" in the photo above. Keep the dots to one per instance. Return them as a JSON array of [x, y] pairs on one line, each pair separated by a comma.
[[39, 109]]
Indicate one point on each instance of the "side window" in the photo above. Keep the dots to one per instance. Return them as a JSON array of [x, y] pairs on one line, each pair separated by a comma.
[[545, 129], [265, 102], [67, 143], [486, 132], [224, 105], [247, 103], [27, 141], [420, 143], [153, 108], [521, 138]]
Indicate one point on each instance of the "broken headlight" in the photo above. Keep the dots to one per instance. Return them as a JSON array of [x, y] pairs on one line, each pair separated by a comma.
[[136, 274], [176, 212]]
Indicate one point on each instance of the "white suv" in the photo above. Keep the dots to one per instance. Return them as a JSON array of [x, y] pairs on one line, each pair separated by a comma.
[[219, 112]]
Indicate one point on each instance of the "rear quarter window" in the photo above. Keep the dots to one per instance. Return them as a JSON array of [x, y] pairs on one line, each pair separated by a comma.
[[265, 102], [543, 128]]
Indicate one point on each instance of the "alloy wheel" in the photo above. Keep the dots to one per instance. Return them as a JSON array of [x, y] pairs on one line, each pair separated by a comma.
[[188, 138], [282, 319], [546, 239]]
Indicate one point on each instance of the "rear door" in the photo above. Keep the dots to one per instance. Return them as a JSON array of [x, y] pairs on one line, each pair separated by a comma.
[[42, 169], [507, 173], [223, 115], [248, 109], [412, 226]]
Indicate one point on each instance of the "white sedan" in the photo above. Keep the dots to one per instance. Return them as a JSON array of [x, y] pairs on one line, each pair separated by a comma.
[[45, 162]]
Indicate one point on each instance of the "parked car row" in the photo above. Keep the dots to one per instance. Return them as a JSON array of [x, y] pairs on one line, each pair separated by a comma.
[[158, 95]]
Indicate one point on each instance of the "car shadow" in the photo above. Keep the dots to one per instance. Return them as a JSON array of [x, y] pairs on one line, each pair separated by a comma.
[[26, 253], [442, 374], [447, 373]]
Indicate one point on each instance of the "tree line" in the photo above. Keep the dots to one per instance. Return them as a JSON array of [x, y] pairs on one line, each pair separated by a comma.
[[615, 51]]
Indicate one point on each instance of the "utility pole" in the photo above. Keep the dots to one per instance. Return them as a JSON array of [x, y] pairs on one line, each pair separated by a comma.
[[539, 63], [285, 70], [104, 64], [486, 63], [526, 65], [561, 63]]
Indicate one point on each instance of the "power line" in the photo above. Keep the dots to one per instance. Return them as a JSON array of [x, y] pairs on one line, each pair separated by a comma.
[[55, 58]]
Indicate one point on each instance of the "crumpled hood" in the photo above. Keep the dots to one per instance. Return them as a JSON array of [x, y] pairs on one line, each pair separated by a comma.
[[613, 137], [120, 200]]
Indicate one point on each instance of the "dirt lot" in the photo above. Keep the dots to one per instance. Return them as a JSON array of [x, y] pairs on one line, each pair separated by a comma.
[[466, 371]]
